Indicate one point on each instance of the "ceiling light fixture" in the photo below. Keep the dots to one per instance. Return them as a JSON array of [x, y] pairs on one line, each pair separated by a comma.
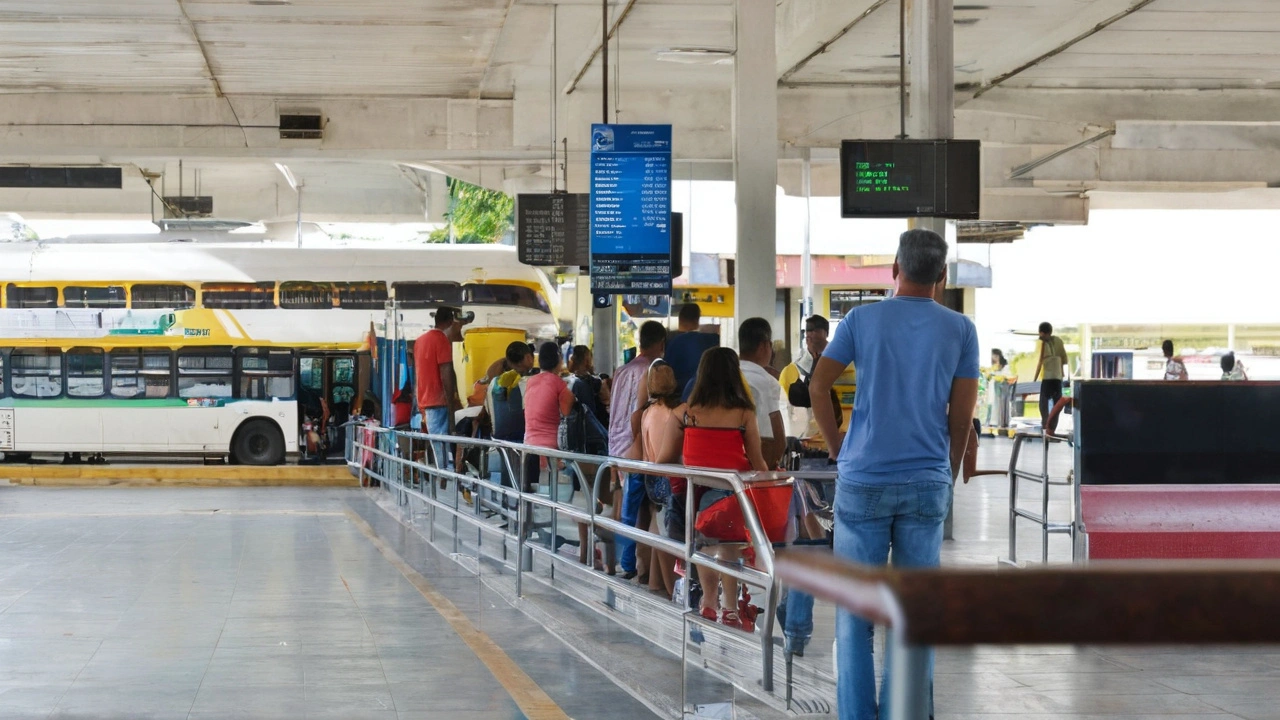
[[695, 56], [269, 2]]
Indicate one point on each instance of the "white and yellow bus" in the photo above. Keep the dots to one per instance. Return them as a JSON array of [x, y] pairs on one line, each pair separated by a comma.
[[152, 346]]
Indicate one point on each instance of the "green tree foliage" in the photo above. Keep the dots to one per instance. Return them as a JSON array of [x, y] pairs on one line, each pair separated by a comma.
[[476, 214]]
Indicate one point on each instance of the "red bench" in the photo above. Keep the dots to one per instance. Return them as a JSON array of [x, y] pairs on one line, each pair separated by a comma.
[[1126, 522], [1179, 470]]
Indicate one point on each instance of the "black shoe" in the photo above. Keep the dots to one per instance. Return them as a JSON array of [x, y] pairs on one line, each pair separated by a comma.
[[628, 575]]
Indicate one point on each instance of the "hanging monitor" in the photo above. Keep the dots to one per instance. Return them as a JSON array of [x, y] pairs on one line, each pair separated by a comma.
[[910, 178]]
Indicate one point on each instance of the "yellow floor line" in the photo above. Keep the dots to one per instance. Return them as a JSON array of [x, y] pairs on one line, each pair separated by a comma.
[[527, 694]]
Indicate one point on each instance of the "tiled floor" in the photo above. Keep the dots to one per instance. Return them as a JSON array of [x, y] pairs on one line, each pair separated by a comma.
[[253, 603], [271, 602]]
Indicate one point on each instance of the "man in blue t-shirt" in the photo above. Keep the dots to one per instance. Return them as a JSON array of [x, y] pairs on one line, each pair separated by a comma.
[[684, 350], [917, 386]]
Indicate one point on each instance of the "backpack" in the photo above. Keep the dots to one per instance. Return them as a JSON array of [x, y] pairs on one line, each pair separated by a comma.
[[580, 431], [798, 392]]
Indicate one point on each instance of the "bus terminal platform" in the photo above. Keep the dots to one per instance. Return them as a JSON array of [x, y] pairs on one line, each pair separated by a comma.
[[320, 602]]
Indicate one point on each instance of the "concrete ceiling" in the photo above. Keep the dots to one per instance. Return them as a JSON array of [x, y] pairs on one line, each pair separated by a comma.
[[1072, 98]]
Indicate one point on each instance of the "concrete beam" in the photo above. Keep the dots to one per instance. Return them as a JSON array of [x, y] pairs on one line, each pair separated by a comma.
[[164, 126], [809, 28], [1027, 49], [1174, 135], [1156, 167], [334, 192]]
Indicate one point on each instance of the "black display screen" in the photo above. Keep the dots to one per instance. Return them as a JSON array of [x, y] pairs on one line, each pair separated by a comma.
[[910, 178]]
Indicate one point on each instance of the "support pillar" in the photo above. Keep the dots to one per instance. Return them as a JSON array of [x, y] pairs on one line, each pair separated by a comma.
[[755, 159], [931, 83]]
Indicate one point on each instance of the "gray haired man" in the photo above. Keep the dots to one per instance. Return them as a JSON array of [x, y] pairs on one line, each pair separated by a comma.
[[917, 367]]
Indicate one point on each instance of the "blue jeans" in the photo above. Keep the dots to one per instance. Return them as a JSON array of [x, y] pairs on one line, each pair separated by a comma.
[[904, 514], [798, 605], [437, 421], [632, 499]]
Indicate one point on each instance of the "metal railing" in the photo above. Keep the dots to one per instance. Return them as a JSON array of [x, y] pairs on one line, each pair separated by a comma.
[[1119, 604], [1045, 481], [411, 466]]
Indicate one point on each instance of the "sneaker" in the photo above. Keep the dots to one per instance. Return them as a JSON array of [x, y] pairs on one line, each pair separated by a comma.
[[794, 646]]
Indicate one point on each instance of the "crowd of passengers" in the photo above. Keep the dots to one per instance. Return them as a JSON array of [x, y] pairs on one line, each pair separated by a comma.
[[682, 400], [686, 400]]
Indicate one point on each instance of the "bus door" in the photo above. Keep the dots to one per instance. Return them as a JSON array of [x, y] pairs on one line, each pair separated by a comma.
[[333, 378]]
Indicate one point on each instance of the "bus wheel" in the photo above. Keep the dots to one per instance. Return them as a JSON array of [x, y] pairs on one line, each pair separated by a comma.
[[15, 457], [258, 442]]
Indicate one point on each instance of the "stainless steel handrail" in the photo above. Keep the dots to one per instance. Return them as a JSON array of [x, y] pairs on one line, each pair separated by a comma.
[[1041, 519], [369, 459]]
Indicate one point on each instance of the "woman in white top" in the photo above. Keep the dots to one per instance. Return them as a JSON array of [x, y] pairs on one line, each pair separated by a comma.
[[1174, 369]]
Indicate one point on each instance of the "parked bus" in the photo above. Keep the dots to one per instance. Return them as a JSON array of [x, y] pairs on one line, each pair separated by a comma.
[[153, 346]]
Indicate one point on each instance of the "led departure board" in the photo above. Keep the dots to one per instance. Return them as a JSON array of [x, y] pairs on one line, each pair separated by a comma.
[[910, 178], [631, 209], [553, 230]]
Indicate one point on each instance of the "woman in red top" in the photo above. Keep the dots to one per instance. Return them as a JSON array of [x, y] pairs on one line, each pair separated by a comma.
[[718, 431]]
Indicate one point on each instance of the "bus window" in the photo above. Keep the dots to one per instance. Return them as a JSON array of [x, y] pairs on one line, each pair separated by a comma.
[[152, 296], [140, 374], [1, 374], [306, 296], [31, 297], [265, 374], [204, 374], [362, 295], [311, 372], [76, 296], [36, 372], [85, 376], [499, 294], [239, 296], [419, 295]]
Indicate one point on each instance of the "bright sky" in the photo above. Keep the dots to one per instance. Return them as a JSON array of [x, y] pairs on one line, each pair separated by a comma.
[[1135, 266]]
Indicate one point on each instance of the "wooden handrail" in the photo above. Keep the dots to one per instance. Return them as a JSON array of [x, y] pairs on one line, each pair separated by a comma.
[[1146, 603]]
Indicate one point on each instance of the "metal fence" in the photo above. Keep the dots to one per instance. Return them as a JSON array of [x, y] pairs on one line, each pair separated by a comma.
[[478, 485]]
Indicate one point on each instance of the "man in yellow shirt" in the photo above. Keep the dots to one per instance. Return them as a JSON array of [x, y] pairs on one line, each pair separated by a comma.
[[1053, 361]]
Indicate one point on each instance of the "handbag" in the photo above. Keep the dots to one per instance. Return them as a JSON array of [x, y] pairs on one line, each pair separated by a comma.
[[723, 519]]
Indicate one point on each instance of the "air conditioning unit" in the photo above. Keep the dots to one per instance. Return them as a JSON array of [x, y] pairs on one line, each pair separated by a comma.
[[301, 127], [185, 206]]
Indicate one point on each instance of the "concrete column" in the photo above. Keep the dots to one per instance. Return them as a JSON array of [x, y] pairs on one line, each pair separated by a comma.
[[755, 155], [1086, 350], [931, 78]]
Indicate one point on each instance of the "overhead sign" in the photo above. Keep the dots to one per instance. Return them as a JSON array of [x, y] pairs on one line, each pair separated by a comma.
[[553, 230], [62, 178], [910, 178], [631, 209]]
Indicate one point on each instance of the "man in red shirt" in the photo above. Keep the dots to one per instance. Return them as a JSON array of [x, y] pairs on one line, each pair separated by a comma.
[[436, 383]]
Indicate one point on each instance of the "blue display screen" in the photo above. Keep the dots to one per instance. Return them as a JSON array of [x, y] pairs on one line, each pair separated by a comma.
[[631, 209]]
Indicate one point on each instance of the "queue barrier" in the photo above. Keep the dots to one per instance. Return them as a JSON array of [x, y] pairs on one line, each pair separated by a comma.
[[1018, 474], [1112, 604], [421, 468]]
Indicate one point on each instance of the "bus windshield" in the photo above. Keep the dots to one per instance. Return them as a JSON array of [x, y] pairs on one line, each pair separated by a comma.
[[500, 294]]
